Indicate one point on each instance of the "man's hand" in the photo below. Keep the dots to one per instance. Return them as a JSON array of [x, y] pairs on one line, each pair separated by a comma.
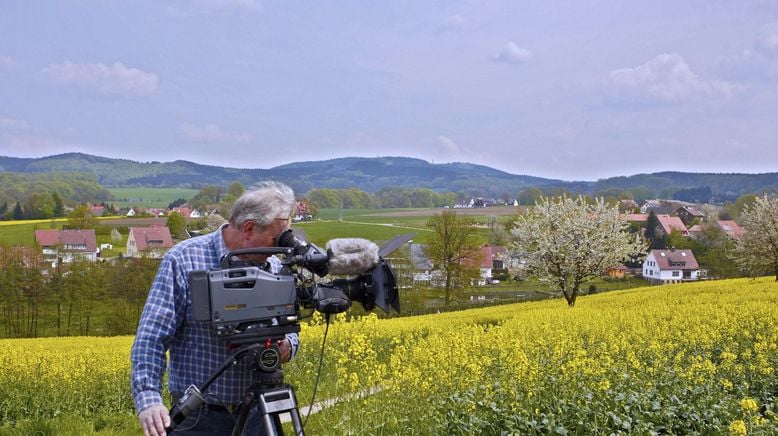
[[154, 420], [286, 350]]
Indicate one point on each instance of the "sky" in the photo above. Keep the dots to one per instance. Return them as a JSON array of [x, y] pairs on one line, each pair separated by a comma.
[[571, 90]]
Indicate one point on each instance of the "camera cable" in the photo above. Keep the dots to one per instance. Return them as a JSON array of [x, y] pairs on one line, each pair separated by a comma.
[[318, 372]]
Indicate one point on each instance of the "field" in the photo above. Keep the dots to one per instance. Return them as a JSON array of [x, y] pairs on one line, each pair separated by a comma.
[[149, 197], [695, 358]]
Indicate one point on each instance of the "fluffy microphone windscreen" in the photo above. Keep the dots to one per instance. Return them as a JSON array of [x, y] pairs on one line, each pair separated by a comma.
[[351, 256]]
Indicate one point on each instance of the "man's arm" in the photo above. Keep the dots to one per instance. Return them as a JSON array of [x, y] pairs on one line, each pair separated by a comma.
[[155, 330]]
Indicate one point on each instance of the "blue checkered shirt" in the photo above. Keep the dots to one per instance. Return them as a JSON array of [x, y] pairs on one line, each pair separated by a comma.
[[167, 324]]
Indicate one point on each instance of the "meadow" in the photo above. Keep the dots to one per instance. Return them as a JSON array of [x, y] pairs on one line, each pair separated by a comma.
[[696, 358], [149, 197]]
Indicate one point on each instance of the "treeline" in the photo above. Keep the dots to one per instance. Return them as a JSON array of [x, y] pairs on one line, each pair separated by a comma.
[[354, 198], [45, 195], [74, 299]]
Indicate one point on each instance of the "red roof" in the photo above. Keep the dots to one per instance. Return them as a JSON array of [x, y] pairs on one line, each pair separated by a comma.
[[670, 223], [151, 237], [675, 259], [637, 217], [731, 228], [71, 240]]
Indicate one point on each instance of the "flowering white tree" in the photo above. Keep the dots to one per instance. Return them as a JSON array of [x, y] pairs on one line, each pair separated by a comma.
[[756, 252], [567, 242]]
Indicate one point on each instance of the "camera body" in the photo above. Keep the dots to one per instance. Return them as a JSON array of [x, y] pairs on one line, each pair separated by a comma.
[[246, 303]]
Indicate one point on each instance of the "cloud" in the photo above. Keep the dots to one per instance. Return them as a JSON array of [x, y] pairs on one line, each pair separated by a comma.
[[113, 79], [448, 146], [767, 40], [7, 63], [666, 78], [209, 7], [211, 133], [513, 54]]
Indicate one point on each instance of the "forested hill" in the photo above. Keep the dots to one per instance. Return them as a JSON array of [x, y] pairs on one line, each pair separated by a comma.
[[375, 174], [368, 174]]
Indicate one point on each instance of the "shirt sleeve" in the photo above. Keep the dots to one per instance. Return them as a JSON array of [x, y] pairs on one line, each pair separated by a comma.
[[156, 328]]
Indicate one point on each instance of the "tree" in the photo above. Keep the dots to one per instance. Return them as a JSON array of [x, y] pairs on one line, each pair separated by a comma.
[[654, 234], [18, 213], [59, 205], [452, 244], [81, 218], [756, 252], [176, 224], [567, 242]]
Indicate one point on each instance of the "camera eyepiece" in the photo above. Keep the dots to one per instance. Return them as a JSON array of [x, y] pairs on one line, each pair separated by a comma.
[[306, 254]]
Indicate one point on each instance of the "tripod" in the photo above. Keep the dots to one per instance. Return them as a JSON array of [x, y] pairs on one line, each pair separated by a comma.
[[271, 398], [268, 394]]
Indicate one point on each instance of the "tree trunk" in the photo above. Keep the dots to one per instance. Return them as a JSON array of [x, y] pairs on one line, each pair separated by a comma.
[[59, 317], [70, 314]]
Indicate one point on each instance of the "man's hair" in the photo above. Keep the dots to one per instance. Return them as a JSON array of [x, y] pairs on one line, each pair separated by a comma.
[[267, 201]]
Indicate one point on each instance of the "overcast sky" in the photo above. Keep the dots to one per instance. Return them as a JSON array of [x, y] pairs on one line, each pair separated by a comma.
[[574, 90]]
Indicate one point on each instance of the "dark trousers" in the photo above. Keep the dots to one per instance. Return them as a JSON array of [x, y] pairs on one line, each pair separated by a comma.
[[216, 421]]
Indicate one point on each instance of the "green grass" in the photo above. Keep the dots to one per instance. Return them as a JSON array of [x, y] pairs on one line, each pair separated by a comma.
[[13, 233], [149, 197], [319, 232]]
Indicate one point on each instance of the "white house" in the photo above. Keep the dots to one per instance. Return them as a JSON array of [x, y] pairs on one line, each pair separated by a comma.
[[67, 245], [151, 241], [671, 266]]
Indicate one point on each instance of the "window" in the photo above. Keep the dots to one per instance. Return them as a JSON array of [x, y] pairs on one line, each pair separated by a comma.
[[676, 274]]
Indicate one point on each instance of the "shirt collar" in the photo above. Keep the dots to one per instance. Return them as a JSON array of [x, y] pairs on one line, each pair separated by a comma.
[[221, 246]]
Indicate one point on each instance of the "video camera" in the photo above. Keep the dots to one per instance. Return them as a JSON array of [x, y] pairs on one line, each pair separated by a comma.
[[245, 302]]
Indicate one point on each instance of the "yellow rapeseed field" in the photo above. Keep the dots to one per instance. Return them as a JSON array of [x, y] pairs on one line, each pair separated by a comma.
[[679, 359]]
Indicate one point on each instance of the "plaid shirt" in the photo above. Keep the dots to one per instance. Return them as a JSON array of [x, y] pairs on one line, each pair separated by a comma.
[[167, 324]]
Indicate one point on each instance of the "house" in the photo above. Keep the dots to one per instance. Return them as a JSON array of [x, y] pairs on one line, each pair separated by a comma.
[[671, 266], [151, 241], [641, 218], [669, 223], [130, 212], [688, 214], [302, 211], [67, 245], [731, 228], [658, 206], [488, 257], [97, 210], [628, 206], [616, 272]]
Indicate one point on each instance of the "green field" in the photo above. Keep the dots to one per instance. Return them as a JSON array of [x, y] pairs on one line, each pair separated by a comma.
[[149, 197]]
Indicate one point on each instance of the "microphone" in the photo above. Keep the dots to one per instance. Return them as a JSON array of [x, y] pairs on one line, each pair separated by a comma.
[[351, 256]]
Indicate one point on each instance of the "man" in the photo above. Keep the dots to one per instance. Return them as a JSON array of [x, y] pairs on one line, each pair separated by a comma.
[[256, 219]]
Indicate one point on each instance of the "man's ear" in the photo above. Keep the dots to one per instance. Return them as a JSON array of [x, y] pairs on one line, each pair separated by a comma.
[[248, 229]]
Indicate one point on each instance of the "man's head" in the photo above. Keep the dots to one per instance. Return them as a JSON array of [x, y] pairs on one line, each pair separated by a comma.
[[262, 213]]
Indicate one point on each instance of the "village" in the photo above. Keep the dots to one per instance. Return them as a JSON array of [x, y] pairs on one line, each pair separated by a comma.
[[151, 238]]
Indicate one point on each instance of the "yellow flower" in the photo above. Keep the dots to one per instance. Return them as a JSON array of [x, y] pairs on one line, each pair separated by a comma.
[[748, 405], [738, 428]]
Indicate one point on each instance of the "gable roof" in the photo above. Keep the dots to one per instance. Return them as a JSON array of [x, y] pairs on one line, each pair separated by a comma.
[[673, 259], [670, 223], [691, 210], [151, 237], [731, 228], [68, 239]]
